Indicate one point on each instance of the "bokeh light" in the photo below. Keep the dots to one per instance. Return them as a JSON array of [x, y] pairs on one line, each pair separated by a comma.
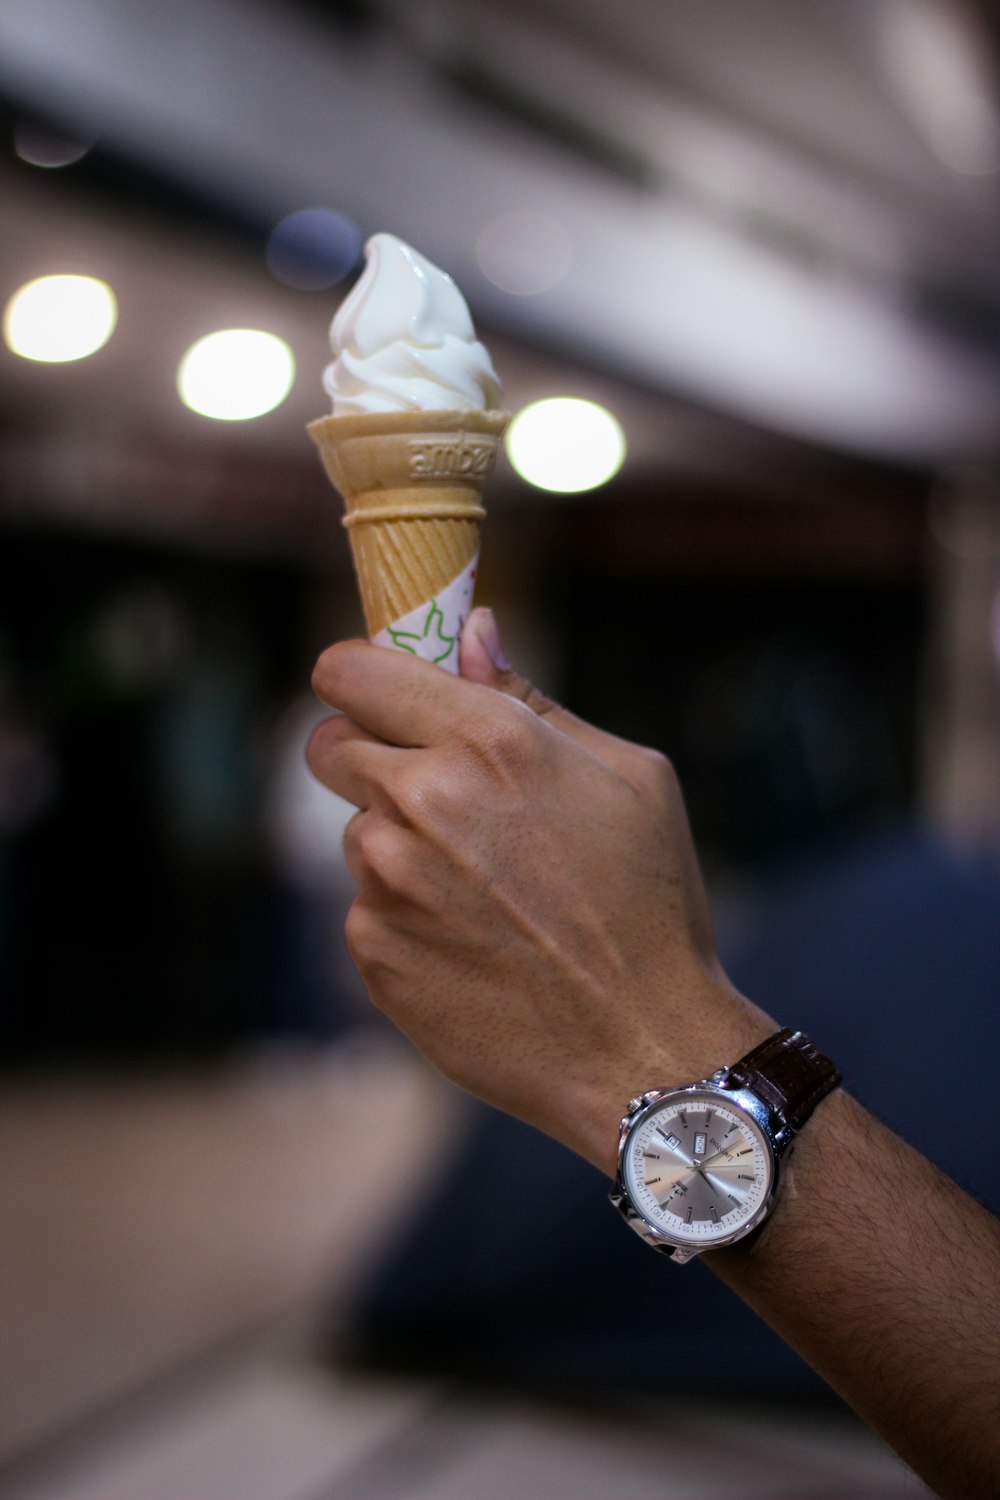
[[566, 444], [60, 318], [313, 248], [524, 252], [236, 374], [41, 147]]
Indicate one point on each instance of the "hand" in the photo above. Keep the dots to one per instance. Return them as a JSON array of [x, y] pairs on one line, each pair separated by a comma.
[[530, 911]]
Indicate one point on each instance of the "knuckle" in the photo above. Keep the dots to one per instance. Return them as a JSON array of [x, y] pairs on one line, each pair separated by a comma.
[[375, 852], [506, 742], [351, 842], [653, 771], [381, 852], [361, 930], [408, 790], [428, 796]]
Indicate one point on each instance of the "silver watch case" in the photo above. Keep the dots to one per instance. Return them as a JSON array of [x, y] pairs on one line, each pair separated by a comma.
[[777, 1139]]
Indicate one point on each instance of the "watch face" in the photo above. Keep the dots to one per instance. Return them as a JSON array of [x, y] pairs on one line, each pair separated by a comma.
[[698, 1169]]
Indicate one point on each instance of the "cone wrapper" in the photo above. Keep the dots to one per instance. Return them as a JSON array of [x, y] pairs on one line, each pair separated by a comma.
[[412, 484]]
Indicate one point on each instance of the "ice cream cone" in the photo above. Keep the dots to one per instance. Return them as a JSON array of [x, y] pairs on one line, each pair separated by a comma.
[[412, 485]]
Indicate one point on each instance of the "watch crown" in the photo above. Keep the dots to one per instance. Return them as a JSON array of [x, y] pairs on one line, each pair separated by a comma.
[[636, 1102]]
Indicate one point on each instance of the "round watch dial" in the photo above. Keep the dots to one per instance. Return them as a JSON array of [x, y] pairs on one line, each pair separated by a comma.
[[698, 1169]]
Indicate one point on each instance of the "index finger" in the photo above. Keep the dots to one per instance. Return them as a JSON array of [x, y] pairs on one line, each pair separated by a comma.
[[402, 700]]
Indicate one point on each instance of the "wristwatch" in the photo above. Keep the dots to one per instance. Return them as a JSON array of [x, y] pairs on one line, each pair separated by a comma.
[[698, 1166]]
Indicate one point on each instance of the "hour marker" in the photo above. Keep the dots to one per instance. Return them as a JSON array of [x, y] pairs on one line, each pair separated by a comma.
[[651, 1155], [746, 1176], [747, 1151], [689, 1216], [733, 1199], [683, 1118], [729, 1132], [708, 1117], [714, 1212], [651, 1181]]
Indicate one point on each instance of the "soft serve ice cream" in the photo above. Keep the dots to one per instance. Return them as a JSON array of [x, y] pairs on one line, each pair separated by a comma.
[[403, 340], [412, 439]]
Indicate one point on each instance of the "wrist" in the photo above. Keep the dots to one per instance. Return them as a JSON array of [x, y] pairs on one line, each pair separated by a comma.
[[714, 1027], [700, 1162]]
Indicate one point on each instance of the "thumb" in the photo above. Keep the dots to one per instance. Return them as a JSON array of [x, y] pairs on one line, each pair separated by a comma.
[[484, 660]]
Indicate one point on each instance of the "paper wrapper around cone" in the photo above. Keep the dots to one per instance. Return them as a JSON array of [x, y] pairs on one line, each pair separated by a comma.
[[411, 484]]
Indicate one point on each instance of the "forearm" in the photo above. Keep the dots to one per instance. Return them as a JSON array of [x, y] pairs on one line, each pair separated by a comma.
[[886, 1277], [530, 912]]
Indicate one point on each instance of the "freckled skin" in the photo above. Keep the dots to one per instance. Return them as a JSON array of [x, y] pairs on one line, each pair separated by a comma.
[[530, 911]]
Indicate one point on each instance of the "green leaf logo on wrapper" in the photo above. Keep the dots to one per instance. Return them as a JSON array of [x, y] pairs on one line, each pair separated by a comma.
[[432, 632]]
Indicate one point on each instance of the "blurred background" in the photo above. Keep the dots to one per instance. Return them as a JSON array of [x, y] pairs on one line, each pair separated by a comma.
[[759, 245]]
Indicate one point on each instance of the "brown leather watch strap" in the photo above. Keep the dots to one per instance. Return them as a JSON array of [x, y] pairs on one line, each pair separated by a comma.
[[789, 1074]]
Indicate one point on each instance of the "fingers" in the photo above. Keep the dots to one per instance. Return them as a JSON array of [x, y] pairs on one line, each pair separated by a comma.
[[350, 761], [391, 694], [485, 661], [411, 704], [352, 845]]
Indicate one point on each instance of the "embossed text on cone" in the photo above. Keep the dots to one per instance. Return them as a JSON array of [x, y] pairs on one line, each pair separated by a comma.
[[411, 484]]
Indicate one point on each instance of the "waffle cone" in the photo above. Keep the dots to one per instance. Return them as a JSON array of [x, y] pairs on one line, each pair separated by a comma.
[[411, 484]]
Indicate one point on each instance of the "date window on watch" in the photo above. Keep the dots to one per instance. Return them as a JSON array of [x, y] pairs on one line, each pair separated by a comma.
[[700, 1143]]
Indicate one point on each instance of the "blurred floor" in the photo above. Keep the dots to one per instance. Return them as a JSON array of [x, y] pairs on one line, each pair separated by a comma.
[[267, 1428], [149, 1220], [175, 1251]]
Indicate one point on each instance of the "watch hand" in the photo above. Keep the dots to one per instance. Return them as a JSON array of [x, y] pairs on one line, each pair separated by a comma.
[[673, 1145], [720, 1161], [725, 1189], [671, 1182]]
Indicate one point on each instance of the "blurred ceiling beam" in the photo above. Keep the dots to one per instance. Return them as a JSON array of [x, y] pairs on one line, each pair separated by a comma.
[[753, 275]]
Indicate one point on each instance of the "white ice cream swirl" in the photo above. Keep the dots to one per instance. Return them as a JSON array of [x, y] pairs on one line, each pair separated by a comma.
[[403, 340]]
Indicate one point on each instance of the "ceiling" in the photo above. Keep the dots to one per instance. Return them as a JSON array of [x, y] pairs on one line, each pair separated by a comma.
[[787, 215]]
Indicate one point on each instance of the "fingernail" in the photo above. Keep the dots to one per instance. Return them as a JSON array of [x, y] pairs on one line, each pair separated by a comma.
[[489, 638]]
